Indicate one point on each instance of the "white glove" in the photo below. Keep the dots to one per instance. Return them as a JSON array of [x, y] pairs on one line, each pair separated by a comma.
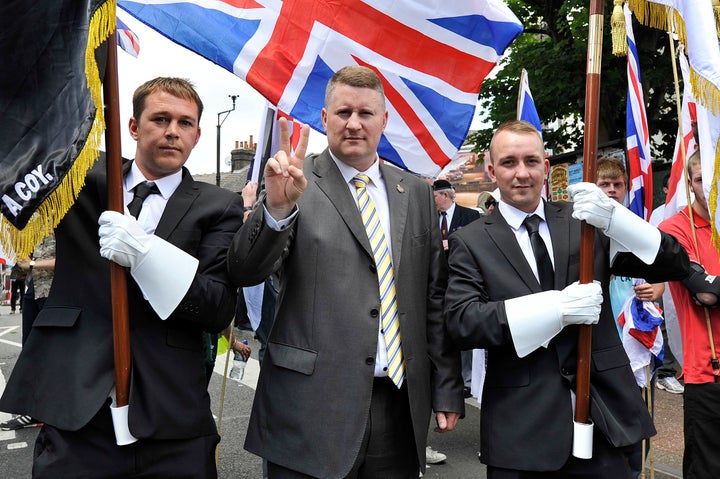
[[580, 303], [122, 239], [592, 205], [163, 271], [629, 233], [537, 318]]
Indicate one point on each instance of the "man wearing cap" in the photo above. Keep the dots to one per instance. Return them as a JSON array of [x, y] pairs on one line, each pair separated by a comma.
[[452, 216]]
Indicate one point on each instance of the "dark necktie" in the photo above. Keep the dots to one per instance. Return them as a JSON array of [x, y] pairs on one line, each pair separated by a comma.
[[542, 258], [443, 225], [142, 191]]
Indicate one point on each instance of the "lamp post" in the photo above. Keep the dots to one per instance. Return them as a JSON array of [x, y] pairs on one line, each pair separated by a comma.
[[219, 125]]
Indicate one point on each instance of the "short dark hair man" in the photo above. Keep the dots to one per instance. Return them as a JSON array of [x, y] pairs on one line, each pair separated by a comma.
[[178, 287]]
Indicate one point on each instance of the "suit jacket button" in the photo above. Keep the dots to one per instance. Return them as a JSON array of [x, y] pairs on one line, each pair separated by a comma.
[[369, 361], [374, 313]]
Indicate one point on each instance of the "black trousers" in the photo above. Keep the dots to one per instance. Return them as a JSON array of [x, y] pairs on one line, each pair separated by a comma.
[[92, 453], [388, 449], [701, 404], [608, 462]]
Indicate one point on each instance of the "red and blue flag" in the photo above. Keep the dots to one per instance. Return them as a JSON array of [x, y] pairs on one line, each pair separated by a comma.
[[641, 336], [127, 39], [638, 135], [432, 57], [526, 105]]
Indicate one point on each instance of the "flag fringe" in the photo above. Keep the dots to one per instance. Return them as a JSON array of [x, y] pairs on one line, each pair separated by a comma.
[[656, 15], [714, 198], [20, 243], [619, 33]]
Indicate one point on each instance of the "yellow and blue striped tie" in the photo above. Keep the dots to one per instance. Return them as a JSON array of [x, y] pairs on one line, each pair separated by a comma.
[[386, 280]]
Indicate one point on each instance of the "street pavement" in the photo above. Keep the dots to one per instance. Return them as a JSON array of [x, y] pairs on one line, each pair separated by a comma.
[[231, 404]]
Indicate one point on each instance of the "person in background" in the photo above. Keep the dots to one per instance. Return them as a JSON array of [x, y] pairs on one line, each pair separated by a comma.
[[17, 289], [696, 302], [39, 279], [612, 179], [666, 374], [174, 244], [351, 372], [513, 289], [453, 217]]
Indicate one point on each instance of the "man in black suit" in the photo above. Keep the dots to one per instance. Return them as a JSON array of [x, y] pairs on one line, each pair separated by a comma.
[[453, 217], [495, 301], [178, 288]]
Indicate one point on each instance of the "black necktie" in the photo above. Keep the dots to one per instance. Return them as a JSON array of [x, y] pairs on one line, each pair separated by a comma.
[[142, 191], [444, 225], [542, 258]]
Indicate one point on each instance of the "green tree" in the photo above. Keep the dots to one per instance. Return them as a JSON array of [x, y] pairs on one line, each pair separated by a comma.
[[553, 49]]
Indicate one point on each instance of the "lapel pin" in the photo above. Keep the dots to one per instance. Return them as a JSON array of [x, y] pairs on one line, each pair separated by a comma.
[[400, 188]]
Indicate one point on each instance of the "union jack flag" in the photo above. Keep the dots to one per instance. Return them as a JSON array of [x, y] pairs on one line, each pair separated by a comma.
[[641, 336], [127, 40], [638, 136], [432, 57]]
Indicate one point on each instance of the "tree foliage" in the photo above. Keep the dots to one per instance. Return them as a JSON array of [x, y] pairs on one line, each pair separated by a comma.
[[553, 49]]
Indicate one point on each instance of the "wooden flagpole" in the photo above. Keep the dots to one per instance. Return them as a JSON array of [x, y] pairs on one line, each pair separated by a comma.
[[118, 278], [592, 101]]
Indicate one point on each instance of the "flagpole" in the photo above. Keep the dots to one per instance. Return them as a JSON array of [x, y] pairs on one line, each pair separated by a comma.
[[518, 113], [118, 278], [587, 234]]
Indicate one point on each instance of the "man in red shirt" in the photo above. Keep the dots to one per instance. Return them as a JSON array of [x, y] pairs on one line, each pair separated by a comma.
[[696, 300]]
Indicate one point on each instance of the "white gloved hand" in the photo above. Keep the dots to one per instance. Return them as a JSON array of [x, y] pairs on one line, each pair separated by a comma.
[[537, 318], [629, 233], [122, 239], [592, 205], [580, 303], [163, 271]]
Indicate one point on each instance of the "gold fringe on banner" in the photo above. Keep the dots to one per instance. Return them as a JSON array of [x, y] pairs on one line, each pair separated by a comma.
[[20, 244], [618, 30], [656, 15], [716, 9]]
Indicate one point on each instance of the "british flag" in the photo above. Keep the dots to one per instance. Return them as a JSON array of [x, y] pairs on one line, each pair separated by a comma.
[[638, 136], [432, 57]]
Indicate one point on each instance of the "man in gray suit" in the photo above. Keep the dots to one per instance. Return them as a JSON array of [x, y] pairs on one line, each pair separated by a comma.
[[503, 297], [336, 396]]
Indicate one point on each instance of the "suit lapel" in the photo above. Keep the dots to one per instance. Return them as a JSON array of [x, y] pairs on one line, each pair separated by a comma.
[[398, 202], [502, 235], [329, 180], [177, 205]]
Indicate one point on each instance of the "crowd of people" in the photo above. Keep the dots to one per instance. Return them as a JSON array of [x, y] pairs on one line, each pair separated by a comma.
[[381, 302]]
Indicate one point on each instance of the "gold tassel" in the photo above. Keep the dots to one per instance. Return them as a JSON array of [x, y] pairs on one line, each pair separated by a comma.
[[19, 244], [716, 8], [619, 33]]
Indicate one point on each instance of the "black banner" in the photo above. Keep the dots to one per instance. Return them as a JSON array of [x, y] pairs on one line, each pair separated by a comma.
[[50, 110]]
